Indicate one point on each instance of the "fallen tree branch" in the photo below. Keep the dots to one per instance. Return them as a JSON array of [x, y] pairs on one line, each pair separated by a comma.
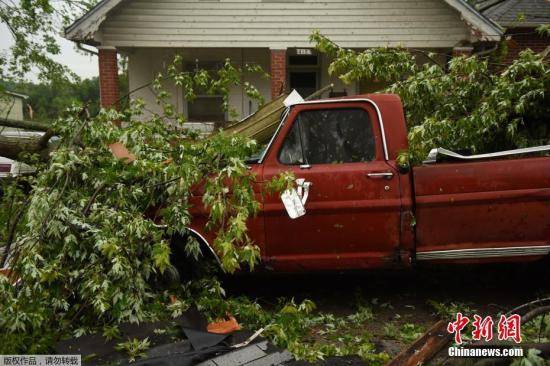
[[11, 233], [534, 313], [524, 307], [425, 347], [86, 210], [25, 125], [12, 147]]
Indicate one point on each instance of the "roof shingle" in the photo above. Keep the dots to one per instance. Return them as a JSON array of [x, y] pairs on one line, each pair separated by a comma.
[[510, 13]]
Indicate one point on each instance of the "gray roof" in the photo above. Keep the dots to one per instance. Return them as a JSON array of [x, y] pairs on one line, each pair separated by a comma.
[[85, 28], [516, 13]]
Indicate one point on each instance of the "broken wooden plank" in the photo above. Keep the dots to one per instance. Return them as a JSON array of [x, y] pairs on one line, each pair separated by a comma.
[[262, 124]]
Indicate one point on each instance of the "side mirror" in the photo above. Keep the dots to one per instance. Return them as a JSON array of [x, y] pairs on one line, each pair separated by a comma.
[[293, 203], [295, 200]]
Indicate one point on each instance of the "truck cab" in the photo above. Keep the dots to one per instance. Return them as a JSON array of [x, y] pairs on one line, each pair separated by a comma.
[[362, 211]]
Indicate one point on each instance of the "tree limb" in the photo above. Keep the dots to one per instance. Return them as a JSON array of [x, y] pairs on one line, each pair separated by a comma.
[[25, 125], [14, 147], [11, 233]]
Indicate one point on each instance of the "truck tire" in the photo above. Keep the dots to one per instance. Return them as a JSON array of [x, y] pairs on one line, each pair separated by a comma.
[[188, 268]]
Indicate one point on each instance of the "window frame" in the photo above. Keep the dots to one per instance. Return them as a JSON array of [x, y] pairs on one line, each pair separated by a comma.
[[204, 96], [293, 118], [210, 66]]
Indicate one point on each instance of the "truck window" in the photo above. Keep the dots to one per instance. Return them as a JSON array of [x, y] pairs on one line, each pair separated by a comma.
[[329, 136]]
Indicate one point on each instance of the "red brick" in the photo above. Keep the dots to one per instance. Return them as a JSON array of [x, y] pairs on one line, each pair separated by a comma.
[[521, 39], [278, 72], [462, 51], [108, 78]]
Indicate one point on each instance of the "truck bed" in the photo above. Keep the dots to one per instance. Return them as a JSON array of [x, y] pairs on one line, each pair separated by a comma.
[[485, 209]]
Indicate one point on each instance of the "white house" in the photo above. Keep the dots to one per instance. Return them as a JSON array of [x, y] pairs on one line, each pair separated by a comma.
[[271, 33], [12, 105]]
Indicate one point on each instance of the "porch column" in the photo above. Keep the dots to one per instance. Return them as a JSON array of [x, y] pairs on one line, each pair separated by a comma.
[[463, 51], [108, 77], [278, 72]]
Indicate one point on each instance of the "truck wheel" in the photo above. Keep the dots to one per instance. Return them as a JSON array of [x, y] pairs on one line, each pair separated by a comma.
[[188, 268]]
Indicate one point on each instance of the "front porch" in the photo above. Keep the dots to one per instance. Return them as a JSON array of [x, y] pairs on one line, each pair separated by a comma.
[[300, 69]]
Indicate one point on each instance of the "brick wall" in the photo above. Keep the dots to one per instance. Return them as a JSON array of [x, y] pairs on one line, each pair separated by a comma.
[[108, 77], [522, 38], [278, 72], [462, 51]]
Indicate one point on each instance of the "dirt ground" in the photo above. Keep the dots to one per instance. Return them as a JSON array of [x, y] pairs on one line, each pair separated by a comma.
[[401, 298]]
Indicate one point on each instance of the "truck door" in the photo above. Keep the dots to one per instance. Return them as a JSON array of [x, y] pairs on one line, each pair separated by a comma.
[[353, 206]]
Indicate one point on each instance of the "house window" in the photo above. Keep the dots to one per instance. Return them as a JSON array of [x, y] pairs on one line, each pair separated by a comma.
[[329, 136], [205, 107]]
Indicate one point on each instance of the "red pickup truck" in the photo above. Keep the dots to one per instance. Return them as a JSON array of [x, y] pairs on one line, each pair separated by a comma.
[[363, 211]]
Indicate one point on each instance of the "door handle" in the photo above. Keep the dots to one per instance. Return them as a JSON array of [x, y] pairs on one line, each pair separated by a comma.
[[303, 189], [385, 175]]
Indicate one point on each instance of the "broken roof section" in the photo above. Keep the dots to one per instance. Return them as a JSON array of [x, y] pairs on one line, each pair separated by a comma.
[[86, 28], [516, 13]]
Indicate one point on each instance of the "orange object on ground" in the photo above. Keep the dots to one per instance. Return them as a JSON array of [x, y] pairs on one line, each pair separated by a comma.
[[224, 326], [121, 152], [6, 272]]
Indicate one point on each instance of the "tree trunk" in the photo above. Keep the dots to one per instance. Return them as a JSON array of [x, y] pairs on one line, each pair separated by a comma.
[[25, 125], [12, 147]]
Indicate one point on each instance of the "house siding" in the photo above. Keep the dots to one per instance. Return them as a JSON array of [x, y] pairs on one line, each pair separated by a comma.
[[282, 24], [11, 107], [144, 64]]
